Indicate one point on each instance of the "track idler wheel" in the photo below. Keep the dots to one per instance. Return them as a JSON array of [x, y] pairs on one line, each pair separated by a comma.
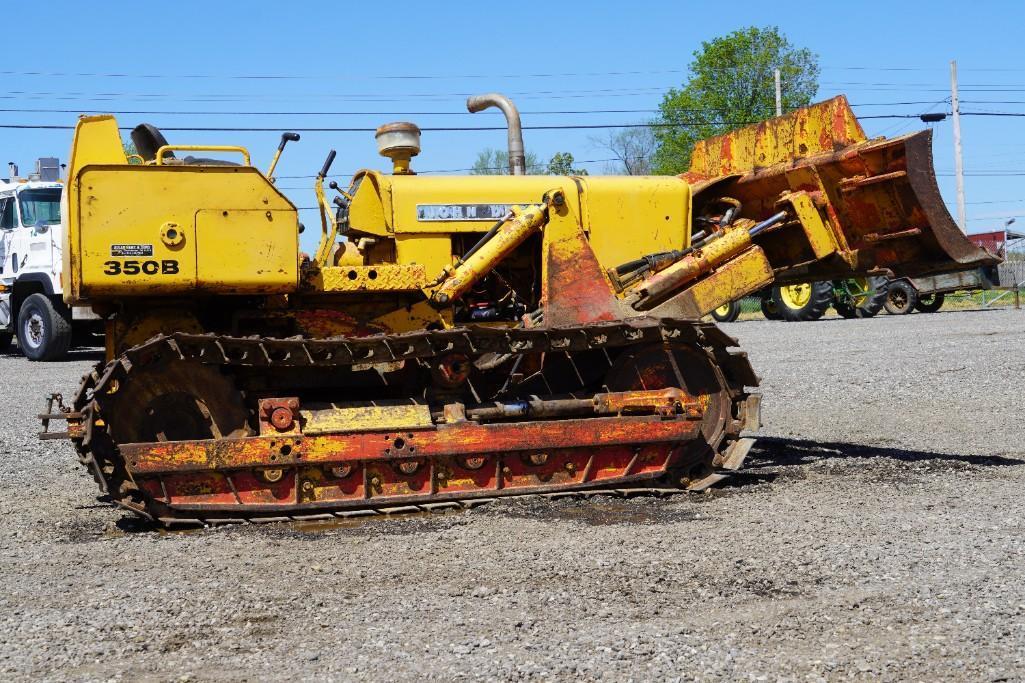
[[174, 401], [694, 370]]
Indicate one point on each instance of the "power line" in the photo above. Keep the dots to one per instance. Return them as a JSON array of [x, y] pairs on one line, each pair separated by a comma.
[[338, 77], [157, 112], [338, 96], [354, 129], [468, 76], [421, 171]]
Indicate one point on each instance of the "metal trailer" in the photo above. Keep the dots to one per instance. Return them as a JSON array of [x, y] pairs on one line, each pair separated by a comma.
[[927, 294]]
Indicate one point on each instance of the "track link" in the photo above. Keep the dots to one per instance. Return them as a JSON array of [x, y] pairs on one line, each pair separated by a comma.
[[90, 412]]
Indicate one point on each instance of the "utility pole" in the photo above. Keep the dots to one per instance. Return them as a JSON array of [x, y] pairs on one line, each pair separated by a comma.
[[958, 161], [779, 94]]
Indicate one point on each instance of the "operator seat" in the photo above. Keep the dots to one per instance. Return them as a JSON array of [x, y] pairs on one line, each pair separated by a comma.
[[147, 139]]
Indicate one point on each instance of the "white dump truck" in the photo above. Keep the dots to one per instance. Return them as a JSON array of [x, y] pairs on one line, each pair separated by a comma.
[[32, 308]]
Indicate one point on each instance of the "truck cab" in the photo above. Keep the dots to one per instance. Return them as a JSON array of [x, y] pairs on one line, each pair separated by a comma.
[[31, 302]]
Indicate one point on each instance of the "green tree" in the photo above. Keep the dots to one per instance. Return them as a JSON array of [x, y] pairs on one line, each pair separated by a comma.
[[632, 149], [130, 151], [496, 162], [731, 84], [561, 163]]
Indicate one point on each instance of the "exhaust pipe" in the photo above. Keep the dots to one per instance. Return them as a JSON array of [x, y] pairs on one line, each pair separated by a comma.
[[517, 158]]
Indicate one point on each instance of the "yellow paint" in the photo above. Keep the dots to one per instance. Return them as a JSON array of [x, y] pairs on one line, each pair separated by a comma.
[[820, 128], [365, 419], [822, 238], [234, 232], [161, 159], [795, 296], [860, 289], [741, 276], [512, 233], [371, 211], [253, 251], [418, 316], [410, 191], [377, 278], [228, 230], [650, 292], [433, 252], [629, 216]]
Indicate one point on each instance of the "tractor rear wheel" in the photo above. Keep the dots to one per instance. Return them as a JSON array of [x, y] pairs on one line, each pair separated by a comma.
[[804, 301], [860, 297], [929, 303], [901, 298], [770, 309], [727, 313]]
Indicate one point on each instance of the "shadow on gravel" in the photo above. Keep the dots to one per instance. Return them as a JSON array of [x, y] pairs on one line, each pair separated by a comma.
[[771, 457]]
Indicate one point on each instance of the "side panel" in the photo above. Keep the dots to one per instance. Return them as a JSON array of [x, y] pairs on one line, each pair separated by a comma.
[[246, 252], [628, 217], [136, 231], [433, 252], [121, 215], [451, 204]]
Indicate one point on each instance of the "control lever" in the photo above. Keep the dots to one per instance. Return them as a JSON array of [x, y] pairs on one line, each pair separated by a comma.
[[285, 139], [327, 165], [339, 201], [329, 227]]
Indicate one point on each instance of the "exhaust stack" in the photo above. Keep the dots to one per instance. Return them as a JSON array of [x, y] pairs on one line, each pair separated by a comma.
[[517, 158]]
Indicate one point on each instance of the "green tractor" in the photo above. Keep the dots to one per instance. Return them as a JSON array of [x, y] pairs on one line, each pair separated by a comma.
[[852, 298]]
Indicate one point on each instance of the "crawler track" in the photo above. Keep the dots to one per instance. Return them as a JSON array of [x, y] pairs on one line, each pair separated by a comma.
[[199, 464]]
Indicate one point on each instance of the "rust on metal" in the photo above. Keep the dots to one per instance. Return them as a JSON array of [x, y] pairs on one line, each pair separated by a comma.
[[887, 214], [640, 432]]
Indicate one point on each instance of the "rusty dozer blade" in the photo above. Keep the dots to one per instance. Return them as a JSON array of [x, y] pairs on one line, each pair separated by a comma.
[[877, 201]]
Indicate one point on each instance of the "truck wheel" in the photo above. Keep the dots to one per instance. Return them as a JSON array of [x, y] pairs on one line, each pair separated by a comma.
[[727, 313], [804, 301], [769, 308], [901, 298], [860, 297], [5, 341], [44, 328], [929, 303]]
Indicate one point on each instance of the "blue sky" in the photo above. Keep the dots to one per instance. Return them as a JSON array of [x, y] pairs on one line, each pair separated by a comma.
[[346, 57]]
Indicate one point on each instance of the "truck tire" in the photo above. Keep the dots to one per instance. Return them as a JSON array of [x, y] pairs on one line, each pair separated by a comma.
[[5, 341], [769, 308], [930, 303], [44, 328], [727, 313], [868, 299], [901, 297], [805, 301]]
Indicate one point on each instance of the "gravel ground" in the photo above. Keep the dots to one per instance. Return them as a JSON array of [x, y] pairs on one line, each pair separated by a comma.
[[876, 533]]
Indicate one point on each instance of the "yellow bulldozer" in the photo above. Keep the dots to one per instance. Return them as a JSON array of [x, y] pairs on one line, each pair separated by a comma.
[[453, 339]]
